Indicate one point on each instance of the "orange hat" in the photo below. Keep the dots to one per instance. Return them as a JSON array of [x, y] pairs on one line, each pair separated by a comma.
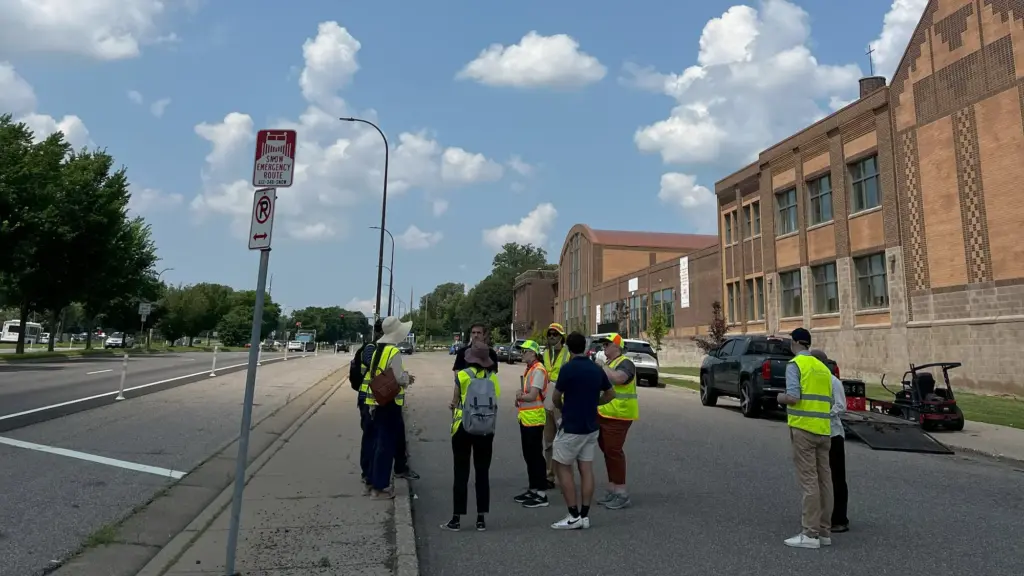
[[612, 338], [557, 328]]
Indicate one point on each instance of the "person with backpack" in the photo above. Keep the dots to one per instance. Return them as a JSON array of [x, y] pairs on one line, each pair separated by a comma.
[[388, 425], [532, 416], [474, 408]]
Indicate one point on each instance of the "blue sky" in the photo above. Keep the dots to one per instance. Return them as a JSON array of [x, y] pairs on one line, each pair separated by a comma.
[[620, 119]]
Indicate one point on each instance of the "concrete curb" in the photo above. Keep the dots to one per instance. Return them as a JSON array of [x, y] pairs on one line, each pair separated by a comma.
[[170, 553], [407, 562]]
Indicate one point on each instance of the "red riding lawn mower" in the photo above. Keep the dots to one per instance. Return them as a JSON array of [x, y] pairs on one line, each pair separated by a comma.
[[921, 401]]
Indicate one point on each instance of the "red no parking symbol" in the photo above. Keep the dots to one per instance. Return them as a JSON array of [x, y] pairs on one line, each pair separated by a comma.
[[263, 209]]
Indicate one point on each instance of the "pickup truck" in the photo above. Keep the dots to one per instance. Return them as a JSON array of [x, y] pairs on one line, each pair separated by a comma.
[[750, 368]]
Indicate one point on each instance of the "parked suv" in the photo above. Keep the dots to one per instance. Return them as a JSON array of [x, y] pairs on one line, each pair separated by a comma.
[[119, 340], [750, 368], [643, 357]]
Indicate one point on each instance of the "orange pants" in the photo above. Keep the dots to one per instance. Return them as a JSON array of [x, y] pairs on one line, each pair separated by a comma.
[[611, 440]]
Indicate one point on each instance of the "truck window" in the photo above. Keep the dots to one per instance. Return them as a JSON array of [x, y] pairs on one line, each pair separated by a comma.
[[770, 348], [639, 348], [727, 349]]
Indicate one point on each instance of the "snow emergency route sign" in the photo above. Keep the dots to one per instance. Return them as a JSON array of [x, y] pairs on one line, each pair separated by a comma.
[[275, 158]]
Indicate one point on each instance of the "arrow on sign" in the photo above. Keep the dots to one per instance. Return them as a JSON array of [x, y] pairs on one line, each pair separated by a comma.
[[259, 236]]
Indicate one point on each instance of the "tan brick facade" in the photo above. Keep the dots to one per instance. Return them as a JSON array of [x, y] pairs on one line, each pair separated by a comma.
[[533, 301], [920, 259]]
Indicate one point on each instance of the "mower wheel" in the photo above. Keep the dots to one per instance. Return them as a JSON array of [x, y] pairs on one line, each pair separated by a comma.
[[708, 397], [958, 424], [928, 426]]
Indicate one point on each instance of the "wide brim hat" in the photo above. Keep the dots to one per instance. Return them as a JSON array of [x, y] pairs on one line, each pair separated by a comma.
[[556, 327], [395, 330], [480, 355]]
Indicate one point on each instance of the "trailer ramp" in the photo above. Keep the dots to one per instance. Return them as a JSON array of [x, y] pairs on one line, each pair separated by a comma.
[[884, 432]]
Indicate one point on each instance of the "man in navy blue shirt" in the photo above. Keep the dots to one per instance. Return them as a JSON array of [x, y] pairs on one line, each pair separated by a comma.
[[582, 386]]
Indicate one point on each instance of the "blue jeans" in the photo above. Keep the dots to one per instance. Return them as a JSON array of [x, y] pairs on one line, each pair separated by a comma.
[[388, 429], [367, 443]]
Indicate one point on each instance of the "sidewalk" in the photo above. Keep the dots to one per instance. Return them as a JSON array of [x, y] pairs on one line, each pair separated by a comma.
[[978, 437], [303, 512]]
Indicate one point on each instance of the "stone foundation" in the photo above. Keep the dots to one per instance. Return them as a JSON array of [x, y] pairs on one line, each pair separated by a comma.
[[679, 352]]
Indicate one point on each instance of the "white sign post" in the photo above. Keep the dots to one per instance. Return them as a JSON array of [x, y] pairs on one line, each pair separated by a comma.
[[145, 308], [275, 158], [261, 229]]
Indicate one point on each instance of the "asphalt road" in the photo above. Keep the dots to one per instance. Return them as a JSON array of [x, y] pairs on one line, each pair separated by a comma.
[[51, 503], [713, 494], [27, 386]]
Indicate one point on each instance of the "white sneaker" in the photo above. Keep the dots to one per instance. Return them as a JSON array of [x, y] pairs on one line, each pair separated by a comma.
[[802, 541], [825, 541], [586, 522], [570, 523]]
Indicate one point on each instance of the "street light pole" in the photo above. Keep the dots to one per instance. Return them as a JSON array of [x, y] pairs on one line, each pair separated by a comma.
[[383, 208], [391, 270]]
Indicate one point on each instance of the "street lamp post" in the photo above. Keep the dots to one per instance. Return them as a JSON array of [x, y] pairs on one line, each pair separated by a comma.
[[391, 271], [383, 207]]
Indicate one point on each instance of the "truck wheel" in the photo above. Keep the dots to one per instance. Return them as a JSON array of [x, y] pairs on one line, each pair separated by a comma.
[[750, 405], [708, 397], [656, 382]]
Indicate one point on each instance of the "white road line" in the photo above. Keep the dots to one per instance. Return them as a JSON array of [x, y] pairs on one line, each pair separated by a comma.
[[93, 458], [114, 393], [99, 372]]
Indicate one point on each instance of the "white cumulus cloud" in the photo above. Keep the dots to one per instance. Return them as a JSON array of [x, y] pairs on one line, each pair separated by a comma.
[[536, 61], [897, 28], [360, 305], [461, 167], [415, 239], [227, 137], [696, 202], [18, 98], [149, 200], [330, 65], [531, 229]]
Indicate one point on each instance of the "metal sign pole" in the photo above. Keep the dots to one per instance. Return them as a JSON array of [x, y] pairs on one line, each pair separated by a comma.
[[250, 392]]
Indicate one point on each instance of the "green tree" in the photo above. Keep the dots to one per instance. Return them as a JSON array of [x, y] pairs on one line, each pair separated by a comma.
[[235, 328], [518, 258], [218, 300], [657, 327], [184, 313]]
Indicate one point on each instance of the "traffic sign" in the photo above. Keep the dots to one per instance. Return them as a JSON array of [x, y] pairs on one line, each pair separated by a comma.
[[145, 308], [262, 227], [275, 158]]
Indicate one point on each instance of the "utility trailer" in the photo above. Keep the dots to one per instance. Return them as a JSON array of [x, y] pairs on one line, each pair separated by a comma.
[[865, 420]]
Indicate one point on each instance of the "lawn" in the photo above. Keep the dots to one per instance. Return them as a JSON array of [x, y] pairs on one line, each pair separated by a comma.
[[1001, 410]]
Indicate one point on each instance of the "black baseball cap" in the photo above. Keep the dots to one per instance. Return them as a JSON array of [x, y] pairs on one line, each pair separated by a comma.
[[802, 336]]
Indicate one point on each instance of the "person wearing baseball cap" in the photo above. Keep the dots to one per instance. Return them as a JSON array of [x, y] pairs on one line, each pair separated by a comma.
[[532, 418], [808, 399], [554, 358], [615, 418]]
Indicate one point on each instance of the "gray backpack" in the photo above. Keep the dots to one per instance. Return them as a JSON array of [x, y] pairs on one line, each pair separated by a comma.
[[480, 408]]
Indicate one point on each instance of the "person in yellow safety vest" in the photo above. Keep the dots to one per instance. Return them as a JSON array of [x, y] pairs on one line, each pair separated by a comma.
[[808, 400], [554, 358], [615, 418], [388, 424], [466, 447], [532, 419]]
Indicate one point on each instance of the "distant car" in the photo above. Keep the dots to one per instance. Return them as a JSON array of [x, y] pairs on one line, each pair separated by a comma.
[[406, 347], [341, 346], [119, 340], [643, 357], [296, 346], [502, 351]]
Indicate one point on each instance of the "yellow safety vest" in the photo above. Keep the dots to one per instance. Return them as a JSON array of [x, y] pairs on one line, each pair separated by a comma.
[[463, 385], [554, 364], [811, 413], [532, 413], [625, 406], [385, 361]]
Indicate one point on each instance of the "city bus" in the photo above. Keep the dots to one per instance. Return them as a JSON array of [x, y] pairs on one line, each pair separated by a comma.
[[13, 327]]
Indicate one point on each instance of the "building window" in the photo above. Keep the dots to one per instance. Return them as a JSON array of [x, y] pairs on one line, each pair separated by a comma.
[[575, 281], [792, 295], [656, 301], [826, 289], [747, 222], [755, 299], [751, 220], [586, 315], [634, 317], [643, 313], [785, 203], [728, 229], [668, 304], [872, 287], [819, 192], [757, 218], [864, 184], [730, 313]]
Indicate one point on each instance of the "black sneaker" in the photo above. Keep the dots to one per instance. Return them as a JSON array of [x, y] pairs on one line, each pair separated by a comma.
[[528, 495], [551, 484], [839, 528], [480, 525], [451, 526], [537, 501], [408, 474]]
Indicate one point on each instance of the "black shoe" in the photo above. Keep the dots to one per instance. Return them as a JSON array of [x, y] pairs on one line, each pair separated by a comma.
[[551, 484], [451, 526], [839, 528], [408, 474], [480, 525], [528, 495], [537, 501]]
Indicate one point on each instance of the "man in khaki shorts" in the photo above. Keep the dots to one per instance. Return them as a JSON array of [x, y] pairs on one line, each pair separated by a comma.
[[582, 386]]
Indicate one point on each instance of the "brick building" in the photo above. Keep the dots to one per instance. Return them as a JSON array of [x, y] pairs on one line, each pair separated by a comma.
[[533, 301], [610, 276], [889, 226]]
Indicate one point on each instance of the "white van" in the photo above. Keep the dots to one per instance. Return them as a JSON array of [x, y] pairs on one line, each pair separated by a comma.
[[12, 328]]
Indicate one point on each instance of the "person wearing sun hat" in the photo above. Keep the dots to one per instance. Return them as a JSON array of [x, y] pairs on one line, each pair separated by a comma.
[[615, 418], [553, 359], [388, 424], [532, 418]]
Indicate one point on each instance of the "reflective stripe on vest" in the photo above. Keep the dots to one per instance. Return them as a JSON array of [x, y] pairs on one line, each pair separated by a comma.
[[811, 413], [385, 361], [532, 413], [553, 364], [625, 406], [463, 385]]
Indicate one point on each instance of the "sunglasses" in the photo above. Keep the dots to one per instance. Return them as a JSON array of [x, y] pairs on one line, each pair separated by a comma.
[[554, 335]]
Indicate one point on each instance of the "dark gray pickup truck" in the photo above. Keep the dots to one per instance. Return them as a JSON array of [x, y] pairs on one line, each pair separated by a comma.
[[750, 368]]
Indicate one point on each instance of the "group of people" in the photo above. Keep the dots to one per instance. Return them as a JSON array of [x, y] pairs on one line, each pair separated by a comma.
[[568, 407]]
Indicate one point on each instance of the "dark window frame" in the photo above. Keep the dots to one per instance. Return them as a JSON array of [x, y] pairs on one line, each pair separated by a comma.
[[787, 220]]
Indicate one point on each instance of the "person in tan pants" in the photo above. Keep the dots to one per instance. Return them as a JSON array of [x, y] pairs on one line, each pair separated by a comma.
[[553, 358]]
